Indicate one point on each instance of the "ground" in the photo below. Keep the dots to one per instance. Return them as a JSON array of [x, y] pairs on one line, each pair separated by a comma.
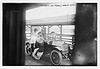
[[45, 61]]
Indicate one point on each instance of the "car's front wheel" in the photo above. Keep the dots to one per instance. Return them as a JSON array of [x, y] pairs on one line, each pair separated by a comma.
[[56, 57]]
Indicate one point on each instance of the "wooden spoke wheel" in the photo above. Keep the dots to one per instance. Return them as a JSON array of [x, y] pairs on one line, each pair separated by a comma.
[[56, 57]]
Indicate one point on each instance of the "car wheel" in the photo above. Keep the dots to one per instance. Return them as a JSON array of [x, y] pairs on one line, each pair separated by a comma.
[[28, 50], [56, 57]]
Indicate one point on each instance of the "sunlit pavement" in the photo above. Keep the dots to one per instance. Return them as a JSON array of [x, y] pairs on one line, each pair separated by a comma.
[[30, 61]]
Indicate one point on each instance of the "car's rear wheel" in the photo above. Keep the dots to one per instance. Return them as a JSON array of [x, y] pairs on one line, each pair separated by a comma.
[[28, 50], [56, 57]]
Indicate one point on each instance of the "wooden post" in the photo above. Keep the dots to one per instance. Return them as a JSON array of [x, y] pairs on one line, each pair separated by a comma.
[[60, 26], [49, 28]]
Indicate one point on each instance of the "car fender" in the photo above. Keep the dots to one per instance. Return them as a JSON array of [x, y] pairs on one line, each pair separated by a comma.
[[59, 48]]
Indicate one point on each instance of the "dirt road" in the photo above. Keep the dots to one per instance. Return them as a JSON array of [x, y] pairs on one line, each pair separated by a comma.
[[30, 61]]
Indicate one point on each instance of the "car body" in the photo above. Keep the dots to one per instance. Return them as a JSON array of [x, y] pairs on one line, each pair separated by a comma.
[[56, 52]]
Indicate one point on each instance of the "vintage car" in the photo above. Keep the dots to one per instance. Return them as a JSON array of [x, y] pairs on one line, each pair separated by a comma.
[[57, 51]]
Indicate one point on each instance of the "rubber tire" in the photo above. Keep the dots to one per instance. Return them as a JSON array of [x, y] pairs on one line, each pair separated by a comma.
[[60, 57], [26, 50]]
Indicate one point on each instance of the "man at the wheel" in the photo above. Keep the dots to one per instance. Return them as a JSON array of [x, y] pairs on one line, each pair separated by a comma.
[[39, 46]]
